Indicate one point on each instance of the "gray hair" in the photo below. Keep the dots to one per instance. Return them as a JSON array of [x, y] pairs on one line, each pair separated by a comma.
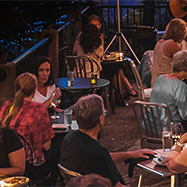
[[179, 62], [88, 110]]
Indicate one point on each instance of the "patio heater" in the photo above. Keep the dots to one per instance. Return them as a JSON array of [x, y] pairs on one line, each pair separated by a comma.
[[121, 36]]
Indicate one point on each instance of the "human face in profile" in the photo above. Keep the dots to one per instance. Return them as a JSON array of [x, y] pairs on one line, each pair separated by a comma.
[[96, 23], [44, 71]]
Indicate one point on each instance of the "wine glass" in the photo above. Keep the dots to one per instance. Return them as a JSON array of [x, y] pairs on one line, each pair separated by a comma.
[[55, 102], [176, 131]]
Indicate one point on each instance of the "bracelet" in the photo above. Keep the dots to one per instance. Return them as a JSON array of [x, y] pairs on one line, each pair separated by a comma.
[[179, 144]]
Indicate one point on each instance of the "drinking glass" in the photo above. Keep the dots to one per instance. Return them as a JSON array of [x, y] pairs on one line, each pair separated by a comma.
[[166, 140], [55, 103], [176, 131], [70, 75], [68, 117]]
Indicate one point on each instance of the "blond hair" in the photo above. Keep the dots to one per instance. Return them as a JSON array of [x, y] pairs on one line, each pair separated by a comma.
[[25, 86], [176, 30]]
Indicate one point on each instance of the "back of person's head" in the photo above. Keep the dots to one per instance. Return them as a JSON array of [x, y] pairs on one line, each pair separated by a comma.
[[40, 60], [179, 62], [90, 38], [176, 30], [88, 110], [89, 180], [93, 19], [25, 86]]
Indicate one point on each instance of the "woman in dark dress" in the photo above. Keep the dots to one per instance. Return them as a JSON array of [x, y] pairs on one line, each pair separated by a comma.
[[12, 154]]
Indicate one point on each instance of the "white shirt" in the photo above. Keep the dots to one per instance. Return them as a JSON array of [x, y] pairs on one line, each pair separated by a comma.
[[39, 98]]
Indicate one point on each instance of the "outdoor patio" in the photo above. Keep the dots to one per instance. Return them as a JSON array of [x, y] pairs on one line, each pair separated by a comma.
[[121, 133]]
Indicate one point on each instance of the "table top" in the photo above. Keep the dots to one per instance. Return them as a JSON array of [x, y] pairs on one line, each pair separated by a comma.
[[106, 61], [62, 128], [152, 167], [81, 83]]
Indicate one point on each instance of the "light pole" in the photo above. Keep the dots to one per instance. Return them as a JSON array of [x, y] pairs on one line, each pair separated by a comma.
[[120, 35]]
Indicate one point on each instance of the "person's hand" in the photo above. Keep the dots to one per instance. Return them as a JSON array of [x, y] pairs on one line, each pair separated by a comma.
[[141, 153], [58, 109], [183, 138], [56, 94]]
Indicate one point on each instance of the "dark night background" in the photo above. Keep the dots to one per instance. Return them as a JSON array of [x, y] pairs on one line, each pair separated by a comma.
[[21, 22]]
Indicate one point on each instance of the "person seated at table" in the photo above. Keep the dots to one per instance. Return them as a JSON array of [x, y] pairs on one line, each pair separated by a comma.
[[171, 90], [89, 180], [46, 90], [177, 162], [165, 48], [90, 42], [31, 120], [12, 159], [80, 149]]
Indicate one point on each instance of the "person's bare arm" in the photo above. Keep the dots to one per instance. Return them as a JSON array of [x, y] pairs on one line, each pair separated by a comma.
[[177, 162], [17, 164], [122, 156], [47, 145], [171, 48], [55, 95]]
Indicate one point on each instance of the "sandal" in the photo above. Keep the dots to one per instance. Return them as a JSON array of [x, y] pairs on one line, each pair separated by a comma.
[[133, 95]]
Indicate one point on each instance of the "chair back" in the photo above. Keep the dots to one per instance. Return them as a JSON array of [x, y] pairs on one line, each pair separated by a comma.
[[143, 93], [83, 66], [66, 173], [151, 118]]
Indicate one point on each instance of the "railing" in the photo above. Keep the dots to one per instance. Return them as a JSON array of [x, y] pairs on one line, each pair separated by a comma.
[[133, 15], [48, 46]]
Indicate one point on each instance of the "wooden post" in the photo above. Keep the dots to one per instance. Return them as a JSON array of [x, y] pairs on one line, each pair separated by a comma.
[[53, 49]]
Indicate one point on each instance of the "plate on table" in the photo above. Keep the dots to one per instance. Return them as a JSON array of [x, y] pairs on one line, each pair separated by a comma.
[[59, 126], [158, 162], [17, 181]]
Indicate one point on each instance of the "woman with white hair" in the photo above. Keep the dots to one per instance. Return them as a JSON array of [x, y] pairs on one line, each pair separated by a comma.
[[171, 90]]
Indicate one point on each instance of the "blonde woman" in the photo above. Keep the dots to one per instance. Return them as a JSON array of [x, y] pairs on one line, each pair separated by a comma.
[[165, 48], [31, 120]]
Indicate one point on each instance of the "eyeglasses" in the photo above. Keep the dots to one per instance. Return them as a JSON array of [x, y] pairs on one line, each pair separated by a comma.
[[105, 112]]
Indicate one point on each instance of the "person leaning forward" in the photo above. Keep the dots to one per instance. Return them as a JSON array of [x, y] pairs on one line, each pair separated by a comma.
[[81, 151]]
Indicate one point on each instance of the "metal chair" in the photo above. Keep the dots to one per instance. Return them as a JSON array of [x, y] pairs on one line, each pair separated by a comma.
[[144, 94], [151, 118], [83, 66], [66, 173]]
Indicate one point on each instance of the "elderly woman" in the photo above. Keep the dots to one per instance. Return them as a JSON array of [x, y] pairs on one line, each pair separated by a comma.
[[31, 120], [165, 48], [12, 159], [171, 90], [46, 90]]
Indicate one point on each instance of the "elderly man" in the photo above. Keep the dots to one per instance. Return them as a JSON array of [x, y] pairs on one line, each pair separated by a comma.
[[81, 151]]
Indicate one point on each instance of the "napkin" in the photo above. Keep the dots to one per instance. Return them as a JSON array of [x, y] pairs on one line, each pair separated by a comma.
[[59, 126]]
